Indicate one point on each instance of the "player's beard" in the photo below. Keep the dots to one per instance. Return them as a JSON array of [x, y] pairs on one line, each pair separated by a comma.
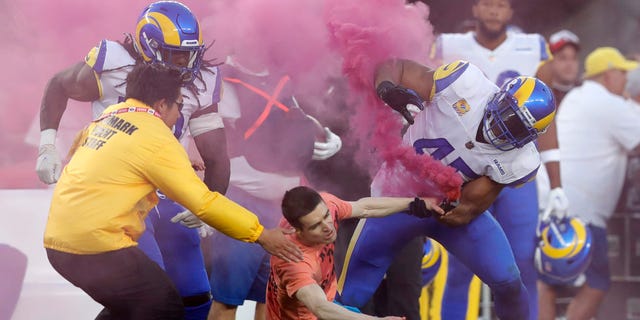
[[491, 34]]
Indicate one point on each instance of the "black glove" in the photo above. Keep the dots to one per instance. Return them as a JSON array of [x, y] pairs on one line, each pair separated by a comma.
[[447, 205], [418, 208], [398, 98]]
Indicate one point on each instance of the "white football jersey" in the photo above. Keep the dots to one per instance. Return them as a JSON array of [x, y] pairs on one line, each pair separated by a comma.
[[112, 62], [448, 126], [519, 55]]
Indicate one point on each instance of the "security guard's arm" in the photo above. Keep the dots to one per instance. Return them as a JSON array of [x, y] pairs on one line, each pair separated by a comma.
[[170, 171]]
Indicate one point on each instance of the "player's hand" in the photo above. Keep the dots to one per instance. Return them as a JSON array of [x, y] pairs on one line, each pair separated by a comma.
[[399, 98], [557, 204], [424, 208], [455, 214], [325, 150], [274, 242], [49, 165], [188, 219]]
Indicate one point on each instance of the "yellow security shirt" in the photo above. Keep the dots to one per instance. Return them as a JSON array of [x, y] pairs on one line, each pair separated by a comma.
[[106, 190]]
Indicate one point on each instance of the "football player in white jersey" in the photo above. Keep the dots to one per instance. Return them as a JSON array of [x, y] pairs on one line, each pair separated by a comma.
[[503, 55], [159, 38], [486, 134]]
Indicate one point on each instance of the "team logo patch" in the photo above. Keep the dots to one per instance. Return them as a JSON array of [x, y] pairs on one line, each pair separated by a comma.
[[461, 107]]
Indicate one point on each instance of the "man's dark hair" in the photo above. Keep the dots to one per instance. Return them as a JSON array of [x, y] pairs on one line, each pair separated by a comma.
[[150, 83], [299, 202]]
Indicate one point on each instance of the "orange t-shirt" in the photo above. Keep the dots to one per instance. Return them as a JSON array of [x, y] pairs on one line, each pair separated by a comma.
[[286, 278]]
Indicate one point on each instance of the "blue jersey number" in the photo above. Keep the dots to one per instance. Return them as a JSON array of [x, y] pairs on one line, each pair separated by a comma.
[[442, 149]]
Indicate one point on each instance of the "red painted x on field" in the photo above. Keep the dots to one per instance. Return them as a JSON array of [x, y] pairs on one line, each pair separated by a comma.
[[271, 101]]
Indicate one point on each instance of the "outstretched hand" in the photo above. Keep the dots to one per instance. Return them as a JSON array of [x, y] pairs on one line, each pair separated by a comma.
[[398, 98], [275, 242]]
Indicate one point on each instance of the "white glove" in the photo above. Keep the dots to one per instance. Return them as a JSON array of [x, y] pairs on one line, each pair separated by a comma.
[[49, 165], [188, 219], [325, 150], [557, 204], [205, 230]]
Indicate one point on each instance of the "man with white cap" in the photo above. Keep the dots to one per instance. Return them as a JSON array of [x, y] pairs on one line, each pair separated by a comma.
[[597, 129], [564, 45]]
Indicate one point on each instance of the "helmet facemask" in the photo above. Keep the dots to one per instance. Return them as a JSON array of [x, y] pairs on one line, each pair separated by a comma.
[[166, 29], [507, 126]]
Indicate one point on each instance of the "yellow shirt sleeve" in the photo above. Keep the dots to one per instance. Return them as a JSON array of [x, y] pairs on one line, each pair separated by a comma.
[[171, 172]]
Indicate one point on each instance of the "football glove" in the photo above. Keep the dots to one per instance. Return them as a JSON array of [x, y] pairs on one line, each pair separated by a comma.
[[557, 204], [188, 219], [325, 150], [49, 165], [398, 98]]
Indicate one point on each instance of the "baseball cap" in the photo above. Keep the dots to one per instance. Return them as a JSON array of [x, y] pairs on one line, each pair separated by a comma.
[[606, 58], [562, 38]]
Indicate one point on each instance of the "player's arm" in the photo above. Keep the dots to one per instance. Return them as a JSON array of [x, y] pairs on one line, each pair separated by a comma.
[[316, 301], [372, 207], [476, 196], [211, 141], [548, 147], [77, 82], [400, 82]]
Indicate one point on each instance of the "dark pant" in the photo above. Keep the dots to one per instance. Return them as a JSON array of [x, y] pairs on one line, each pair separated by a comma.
[[399, 292], [126, 282]]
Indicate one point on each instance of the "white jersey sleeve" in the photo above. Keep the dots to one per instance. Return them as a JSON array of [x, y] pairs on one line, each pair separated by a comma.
[[111, 63]]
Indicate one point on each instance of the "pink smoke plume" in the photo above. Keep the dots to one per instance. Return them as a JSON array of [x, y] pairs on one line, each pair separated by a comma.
[[366, 35]]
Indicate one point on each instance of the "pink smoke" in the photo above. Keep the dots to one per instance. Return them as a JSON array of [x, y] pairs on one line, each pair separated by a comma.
[[366, 35], [309, 40]]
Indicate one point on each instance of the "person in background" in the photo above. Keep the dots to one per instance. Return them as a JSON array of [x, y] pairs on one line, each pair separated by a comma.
[[306, 289], [597, 130], [565, 47]]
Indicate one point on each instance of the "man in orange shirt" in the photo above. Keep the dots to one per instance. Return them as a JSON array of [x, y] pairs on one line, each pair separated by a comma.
[[306, 289]]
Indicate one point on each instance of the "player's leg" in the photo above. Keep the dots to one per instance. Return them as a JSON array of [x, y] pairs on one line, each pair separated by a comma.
[[516, 210], [373, 246], [234, 266], [588, 299], [546, 301], [147, 241], [257, 292], [239, 270], [483, 248], [180, 247]]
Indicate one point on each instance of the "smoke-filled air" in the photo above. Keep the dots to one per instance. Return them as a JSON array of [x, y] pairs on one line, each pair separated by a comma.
[[311, 41]]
